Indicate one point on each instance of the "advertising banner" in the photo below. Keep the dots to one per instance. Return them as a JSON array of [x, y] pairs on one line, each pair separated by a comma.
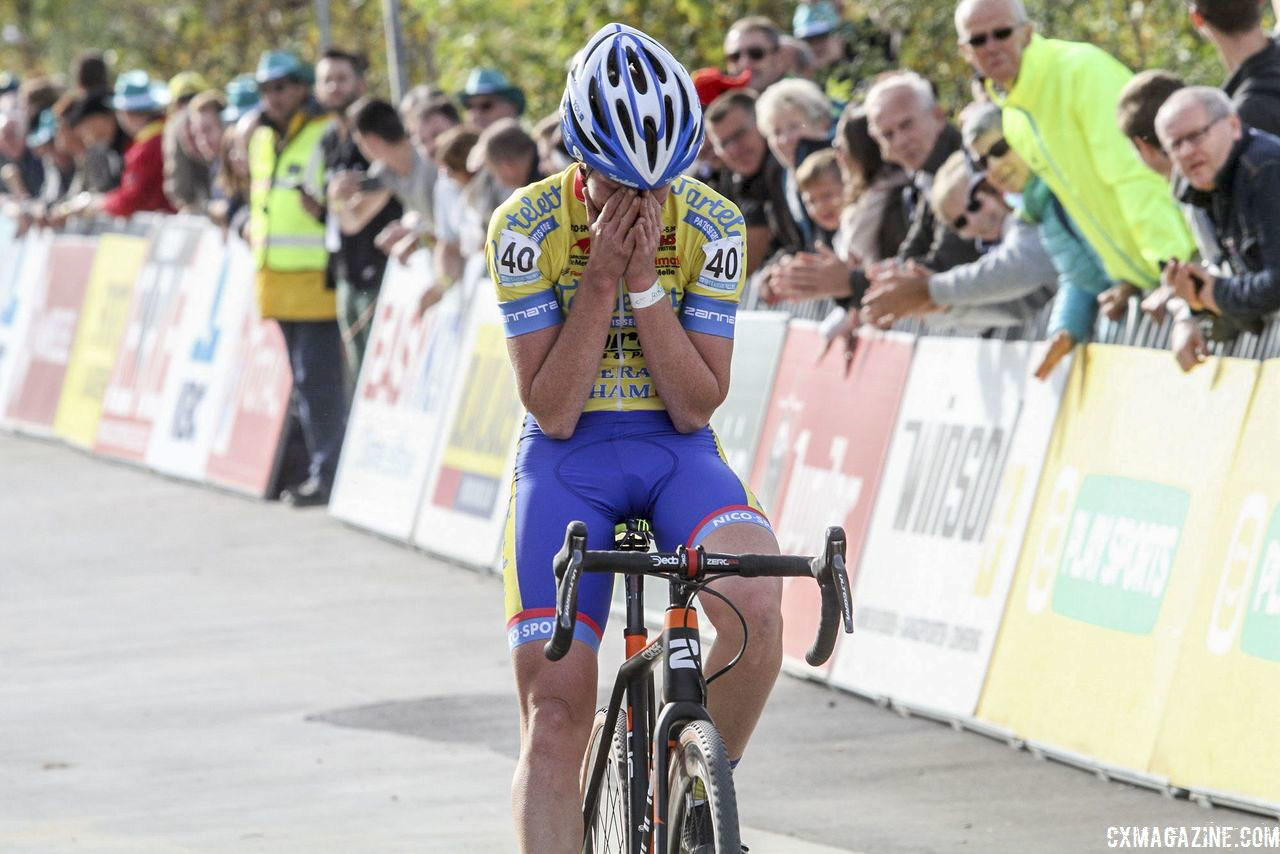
[[216, 292], [22, 283], [1115, 552], [132, 399], [821, 454], [41, 360], [465, 503], [108, 297], [1219, 729], [246, 440], [397, 417], [758, 337], [973, 424]]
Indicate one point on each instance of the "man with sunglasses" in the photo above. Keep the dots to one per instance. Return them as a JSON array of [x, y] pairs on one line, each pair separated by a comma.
[[755, 43], [488, 96], [1234, 173], [1059, 101]]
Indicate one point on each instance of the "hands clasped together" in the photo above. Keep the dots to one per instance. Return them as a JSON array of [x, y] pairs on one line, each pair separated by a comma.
[[624, 238]]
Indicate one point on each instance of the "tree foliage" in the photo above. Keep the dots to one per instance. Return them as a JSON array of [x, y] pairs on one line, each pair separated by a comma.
[[534, 40]]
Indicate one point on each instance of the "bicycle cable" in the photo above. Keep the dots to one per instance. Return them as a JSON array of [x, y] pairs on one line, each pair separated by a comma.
[[704, 586]]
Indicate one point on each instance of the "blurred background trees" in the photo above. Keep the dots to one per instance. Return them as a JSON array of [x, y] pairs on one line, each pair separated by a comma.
[[533, 40]]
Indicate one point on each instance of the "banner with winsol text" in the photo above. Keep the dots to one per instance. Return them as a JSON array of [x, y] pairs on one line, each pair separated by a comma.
[[465, 503], [1220, 728], [821, 454], [247, 436], [216, 292], [41, 361], [105, 313], [1115, 552], [22, 283], [927, 604], [132, 398], [397, 418], [757, 342]]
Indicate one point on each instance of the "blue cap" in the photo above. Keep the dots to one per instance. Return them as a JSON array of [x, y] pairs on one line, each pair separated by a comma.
[[43, 133], [242, 96], [814, 19], [281, 64], [491, 81], [136, 92]]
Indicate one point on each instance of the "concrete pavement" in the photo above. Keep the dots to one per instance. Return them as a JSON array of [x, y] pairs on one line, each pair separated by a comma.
[[183, 670]]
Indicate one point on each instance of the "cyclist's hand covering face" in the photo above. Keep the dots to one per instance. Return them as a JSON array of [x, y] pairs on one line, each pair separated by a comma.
[[611, 212], [641, 271]]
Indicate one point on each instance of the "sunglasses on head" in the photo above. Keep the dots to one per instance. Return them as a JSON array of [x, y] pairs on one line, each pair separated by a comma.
[[755, 54], [1000, 34], [999, 149]]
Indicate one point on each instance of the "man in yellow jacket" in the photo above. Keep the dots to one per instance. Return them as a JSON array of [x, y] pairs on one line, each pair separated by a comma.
[[1059, 103], [289, 251]]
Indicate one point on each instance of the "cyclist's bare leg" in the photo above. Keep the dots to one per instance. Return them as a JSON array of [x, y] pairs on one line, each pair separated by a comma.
[[557, 705], [737, 698]]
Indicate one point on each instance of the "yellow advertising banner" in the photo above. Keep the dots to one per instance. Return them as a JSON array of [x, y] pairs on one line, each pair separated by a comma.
[[1114, 552], [489, 411], [1222, 727], [105, 314]]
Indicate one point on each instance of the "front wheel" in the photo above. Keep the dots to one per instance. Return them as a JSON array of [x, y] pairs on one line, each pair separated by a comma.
[[702, 813], [606, 827]]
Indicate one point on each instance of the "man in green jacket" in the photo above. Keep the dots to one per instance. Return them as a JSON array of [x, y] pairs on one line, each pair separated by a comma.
[[1059, 102]]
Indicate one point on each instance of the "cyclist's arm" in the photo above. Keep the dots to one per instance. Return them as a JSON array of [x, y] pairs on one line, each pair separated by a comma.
[[556, 366], [690, 369]]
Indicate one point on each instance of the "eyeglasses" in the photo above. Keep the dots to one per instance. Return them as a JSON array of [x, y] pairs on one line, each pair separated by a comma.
[[972, 206], [755, 54], [999, 149], [1194, 139], [999, 34]]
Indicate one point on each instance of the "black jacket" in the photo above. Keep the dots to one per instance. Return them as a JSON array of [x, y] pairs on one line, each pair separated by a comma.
[[1255, 89], [1244, 207], [929, 241]]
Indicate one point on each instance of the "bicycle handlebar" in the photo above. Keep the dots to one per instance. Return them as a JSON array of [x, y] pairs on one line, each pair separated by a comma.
[[827, 569]]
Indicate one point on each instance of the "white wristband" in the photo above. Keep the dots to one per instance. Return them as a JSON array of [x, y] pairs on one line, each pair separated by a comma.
[[654, 295]]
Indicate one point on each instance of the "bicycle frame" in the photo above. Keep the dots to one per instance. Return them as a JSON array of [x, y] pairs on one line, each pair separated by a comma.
[[648, 738]]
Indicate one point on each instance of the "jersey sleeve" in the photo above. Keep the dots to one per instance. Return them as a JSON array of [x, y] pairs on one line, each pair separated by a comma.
[[718, 261], [520, 266]]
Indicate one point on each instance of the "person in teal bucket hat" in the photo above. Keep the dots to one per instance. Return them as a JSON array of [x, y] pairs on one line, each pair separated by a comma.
[[489, 96]]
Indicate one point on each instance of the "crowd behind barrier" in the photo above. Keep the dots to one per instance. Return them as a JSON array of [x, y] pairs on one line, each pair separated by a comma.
[[1070, 545], [1003, 557]]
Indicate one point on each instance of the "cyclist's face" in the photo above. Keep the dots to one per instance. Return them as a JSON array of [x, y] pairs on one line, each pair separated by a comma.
[[601, 189]]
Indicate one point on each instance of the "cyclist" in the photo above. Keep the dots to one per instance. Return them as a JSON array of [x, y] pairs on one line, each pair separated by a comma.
[[618, 280]]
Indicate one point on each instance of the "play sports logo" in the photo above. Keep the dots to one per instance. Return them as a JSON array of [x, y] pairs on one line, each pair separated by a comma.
[[1107, 549], [1246, 603]]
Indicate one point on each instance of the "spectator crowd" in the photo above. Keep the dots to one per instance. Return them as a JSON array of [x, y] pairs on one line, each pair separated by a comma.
[[1069, 185]]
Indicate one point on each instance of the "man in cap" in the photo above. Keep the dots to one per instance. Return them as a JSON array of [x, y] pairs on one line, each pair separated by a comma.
[[488, 96], [187, 178], [845, 54], [291, 259]]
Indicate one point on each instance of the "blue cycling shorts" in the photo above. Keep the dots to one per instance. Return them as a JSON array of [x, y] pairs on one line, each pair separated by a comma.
[[616, 466]]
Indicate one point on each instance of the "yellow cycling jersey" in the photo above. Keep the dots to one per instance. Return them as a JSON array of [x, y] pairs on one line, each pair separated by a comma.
[[537, 248]]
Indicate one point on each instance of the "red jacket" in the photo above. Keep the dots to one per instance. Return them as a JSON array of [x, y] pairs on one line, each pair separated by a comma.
[[142, 182]]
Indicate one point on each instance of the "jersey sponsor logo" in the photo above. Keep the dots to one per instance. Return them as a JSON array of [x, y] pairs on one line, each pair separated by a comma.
[[716, 208], [738, 516], [542, 229], [706, 226], [709, 316], [531, 210], [531, 313], [723, 265]]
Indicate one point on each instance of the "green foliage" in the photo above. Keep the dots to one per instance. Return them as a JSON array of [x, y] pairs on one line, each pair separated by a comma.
[[534, 40]]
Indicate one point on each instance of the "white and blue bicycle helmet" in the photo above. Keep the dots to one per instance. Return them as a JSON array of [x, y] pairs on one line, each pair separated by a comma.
[[630, 109]]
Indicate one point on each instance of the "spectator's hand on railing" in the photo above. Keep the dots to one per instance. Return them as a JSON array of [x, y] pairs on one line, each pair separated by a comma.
[[390, 235], [1114, 301], [430, 297], [897, 291], [1191, 283], [1156, 304], [406, 246], [1188, 344], [811, 275], [1059, 346], [842, 326]]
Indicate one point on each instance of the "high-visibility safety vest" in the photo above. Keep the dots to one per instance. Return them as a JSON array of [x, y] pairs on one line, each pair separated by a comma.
[[285, 237]]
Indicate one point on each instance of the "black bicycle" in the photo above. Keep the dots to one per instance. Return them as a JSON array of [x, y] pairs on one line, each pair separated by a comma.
[[658, 779]]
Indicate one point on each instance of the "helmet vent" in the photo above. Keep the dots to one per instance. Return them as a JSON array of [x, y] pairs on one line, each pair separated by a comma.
[[583, 136], [625, 120], [651, 141], [597, 108], [656, 65], [638, 78], [611, 68], [670, 117]]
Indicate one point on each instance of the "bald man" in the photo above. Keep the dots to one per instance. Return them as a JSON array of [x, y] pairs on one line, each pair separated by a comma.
[[1235, 171], [1059, 104]]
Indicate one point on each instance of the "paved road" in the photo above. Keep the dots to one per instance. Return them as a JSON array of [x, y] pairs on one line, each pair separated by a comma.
[[184, 670]]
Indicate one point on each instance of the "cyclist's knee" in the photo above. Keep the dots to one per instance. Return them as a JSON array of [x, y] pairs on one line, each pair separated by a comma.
[[759, 600], [555, 726]]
